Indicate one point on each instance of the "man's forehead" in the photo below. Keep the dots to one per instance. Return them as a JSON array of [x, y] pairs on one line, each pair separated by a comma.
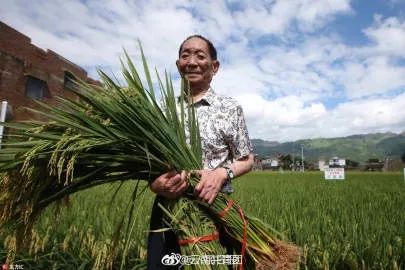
[[195, 44]]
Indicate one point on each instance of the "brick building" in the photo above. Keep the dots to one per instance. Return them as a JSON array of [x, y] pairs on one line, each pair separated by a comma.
[[28, 72]]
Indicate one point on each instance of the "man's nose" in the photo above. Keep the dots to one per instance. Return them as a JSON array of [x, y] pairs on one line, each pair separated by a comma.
[[192, 61]]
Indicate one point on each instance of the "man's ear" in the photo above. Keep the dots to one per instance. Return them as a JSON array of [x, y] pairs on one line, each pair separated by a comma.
[[177, 65], [178, 68], [215, 66]]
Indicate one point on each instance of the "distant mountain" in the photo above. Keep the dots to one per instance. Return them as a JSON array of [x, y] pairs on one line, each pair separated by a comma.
[[356, 147], [262, 143]]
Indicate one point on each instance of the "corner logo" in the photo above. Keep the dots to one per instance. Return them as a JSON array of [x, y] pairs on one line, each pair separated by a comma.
[[172, 259]]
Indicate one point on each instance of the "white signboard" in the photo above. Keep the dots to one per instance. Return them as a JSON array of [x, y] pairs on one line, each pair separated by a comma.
[[2, 118], [337, 162], [334, 173], [342, 162]]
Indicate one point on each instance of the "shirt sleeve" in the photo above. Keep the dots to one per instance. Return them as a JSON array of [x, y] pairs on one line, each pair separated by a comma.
[[238, 135]]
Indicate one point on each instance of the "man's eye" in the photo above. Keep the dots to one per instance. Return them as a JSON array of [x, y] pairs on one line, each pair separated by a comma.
[[201, 57]]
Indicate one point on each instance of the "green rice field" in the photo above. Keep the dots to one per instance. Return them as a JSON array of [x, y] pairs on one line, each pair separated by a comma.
[[358, 223]]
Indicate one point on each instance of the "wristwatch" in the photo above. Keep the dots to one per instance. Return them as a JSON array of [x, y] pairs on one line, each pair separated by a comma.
[[229, 173]]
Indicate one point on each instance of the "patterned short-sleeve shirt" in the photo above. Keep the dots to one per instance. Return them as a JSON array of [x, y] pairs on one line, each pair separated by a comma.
[[224, 135]]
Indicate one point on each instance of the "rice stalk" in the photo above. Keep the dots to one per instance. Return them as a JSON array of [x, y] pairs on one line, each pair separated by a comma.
[[120, 133]]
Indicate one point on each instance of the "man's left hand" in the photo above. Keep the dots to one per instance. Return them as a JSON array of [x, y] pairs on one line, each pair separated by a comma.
[[211, 182]]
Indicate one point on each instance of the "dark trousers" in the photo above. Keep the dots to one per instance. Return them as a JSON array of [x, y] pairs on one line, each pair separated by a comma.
[[160, 243], [166, 243]]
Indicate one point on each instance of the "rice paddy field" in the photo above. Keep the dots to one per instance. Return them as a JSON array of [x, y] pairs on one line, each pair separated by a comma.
[[358, 223]]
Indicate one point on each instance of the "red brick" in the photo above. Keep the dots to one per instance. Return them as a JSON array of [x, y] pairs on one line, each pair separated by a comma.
[[18, 59]]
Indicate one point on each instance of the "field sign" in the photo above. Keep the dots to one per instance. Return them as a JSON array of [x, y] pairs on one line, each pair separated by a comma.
[[334, 173]]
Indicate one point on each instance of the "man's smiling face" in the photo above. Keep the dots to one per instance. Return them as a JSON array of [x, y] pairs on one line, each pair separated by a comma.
[[196, 64]]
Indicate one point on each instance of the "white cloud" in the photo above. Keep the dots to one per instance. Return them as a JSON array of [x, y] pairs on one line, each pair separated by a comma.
[[277, 16], [388, 36], [277, 57], [269, 119], [288, 118], [95, 34], [370, 115], [305, 70], [373, 76], [313, 14]]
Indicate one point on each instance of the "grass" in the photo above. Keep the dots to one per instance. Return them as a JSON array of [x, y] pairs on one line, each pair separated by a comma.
[[358, 223], [352, 224]]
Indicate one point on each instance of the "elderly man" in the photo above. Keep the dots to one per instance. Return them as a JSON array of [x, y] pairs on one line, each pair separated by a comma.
[[227, 151]]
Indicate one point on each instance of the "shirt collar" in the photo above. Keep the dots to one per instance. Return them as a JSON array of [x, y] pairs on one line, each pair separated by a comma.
[[207, 98]]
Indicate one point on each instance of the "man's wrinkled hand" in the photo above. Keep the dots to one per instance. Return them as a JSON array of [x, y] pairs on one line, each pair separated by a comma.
[[170, 185], [210, 184]]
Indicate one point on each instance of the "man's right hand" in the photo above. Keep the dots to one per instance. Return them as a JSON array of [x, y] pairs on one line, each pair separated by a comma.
[[170, 185]]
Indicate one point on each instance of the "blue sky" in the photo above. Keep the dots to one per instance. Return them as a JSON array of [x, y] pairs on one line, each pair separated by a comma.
[[300, 68], [350, 26]]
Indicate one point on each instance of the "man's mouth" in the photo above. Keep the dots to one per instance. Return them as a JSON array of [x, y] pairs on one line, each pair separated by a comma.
[[192, 74]]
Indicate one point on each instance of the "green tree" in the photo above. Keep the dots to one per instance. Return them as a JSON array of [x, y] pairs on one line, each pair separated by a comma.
[[286, 162]]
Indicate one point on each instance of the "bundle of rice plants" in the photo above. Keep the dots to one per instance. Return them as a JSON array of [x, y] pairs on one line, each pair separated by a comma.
[[119, 133]]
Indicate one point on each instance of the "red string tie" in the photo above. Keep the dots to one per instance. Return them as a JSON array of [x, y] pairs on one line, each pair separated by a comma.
[[227, 208], [245, 224], [194, 240]]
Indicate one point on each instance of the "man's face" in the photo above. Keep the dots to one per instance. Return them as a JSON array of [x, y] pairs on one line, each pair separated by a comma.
[[195, 63]]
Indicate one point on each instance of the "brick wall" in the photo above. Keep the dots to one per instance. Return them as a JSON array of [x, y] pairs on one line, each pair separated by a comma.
[[20, 59]]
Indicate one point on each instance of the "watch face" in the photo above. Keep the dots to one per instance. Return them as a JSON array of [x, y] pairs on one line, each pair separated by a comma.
[[230, 174]]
